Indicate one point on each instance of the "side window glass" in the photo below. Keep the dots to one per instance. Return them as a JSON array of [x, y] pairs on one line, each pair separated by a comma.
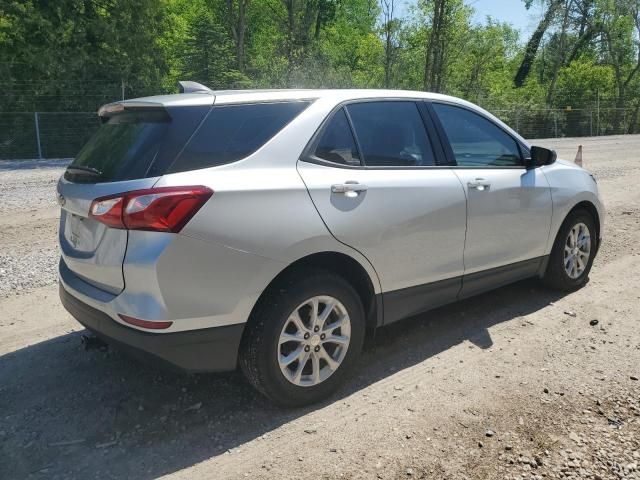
[[391, 134], [233, 132], [476, 141], [336, 143]]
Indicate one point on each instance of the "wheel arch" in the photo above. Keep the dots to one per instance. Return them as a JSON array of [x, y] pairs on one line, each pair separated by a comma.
[[341, 264], [564, 211], [590, 208]]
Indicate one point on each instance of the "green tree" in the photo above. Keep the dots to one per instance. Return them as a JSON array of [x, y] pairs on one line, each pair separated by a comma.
[[79, 54], [208, 52], [620, 21], [448, 19], [531, 49], [349, 47], [75, 54]]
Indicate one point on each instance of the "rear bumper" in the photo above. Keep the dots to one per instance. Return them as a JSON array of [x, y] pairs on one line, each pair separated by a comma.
[[204, 350]]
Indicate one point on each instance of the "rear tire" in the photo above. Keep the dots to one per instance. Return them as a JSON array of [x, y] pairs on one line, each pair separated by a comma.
[[573, 252], [289, 353]]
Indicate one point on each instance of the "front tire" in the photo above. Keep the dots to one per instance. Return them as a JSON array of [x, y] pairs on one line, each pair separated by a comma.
[[303, 338], [573, 252]]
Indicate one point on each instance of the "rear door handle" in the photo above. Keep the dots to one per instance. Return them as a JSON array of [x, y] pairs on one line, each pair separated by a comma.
[[349, 188], [479, 184]]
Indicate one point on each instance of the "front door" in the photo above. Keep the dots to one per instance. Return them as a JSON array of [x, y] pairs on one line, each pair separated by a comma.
[[378, 192], [509, 207]]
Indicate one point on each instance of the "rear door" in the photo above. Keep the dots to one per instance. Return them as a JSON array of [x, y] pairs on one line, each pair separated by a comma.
[[383, 192], [132, 148], [509, 206]]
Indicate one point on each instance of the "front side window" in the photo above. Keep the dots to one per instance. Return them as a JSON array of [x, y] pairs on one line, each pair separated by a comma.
[[233, 132], [476, 141], [391, 134], [336, 143]]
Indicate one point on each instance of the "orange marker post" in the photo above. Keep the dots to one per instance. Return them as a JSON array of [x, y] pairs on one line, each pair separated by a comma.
[[578, 159]]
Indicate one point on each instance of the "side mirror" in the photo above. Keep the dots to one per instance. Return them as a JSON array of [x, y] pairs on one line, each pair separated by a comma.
[[541, 156]]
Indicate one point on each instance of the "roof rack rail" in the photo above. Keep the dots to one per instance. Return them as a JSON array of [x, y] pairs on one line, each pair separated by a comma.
[[193, 87]]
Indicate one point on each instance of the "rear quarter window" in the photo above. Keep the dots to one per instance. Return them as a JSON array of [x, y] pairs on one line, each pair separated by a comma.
[[233, 132]]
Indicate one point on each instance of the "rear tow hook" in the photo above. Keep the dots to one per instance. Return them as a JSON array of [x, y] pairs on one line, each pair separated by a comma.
[[91, 342]]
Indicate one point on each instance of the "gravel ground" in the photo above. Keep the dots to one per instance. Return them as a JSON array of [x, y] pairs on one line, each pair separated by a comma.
[[520, 383], [29, 255], [29, 185]]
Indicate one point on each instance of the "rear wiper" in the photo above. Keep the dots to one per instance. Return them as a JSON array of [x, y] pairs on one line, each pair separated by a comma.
[[82, 170]]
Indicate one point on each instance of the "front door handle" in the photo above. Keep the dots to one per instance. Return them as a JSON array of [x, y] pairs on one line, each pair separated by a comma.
[[349, 188], [479, 184]]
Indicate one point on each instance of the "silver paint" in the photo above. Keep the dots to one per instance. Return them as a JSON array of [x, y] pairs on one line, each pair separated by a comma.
[[404, 227]]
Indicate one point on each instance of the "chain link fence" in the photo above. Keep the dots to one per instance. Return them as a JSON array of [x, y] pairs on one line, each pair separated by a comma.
[[580, 122], [28, 135]]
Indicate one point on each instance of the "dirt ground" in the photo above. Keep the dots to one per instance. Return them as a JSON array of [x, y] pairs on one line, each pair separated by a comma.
[[516, 383]]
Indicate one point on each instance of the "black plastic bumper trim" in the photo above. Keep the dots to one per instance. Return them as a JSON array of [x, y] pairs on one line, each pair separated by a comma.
[[204, 350]]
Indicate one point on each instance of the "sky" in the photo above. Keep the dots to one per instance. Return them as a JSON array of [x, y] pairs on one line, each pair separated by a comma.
[[511, 11]]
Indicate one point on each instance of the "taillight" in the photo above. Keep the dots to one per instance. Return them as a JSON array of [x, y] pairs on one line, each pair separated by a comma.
[[163, 209], [108, 210]]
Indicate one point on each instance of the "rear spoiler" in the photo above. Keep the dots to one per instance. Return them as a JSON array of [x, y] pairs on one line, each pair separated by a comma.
[[118, 107]]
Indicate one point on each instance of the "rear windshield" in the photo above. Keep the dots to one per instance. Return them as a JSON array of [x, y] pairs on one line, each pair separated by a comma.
[[135, 144], [141, 144], [233, 132]]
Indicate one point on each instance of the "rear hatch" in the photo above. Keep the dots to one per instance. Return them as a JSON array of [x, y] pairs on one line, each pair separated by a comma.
[[135, 145]]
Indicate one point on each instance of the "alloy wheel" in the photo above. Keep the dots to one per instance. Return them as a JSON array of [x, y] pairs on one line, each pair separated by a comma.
[[577, 250], [314, 341]]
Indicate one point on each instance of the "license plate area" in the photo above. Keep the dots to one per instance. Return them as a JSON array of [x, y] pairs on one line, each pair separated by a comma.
[[81, 233]]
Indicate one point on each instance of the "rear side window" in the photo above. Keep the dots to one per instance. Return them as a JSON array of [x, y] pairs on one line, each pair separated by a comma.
[[336, 144], [391, 134], [476, 141], [233, 132]]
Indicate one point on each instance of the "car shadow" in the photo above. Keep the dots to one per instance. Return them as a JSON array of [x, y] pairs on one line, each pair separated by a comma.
[[76, 413]]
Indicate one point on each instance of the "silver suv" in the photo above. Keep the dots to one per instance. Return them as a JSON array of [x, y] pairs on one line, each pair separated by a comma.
[[270, 229]]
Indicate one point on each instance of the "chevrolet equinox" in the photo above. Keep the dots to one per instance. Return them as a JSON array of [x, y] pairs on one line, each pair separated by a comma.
[[269, 229]]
